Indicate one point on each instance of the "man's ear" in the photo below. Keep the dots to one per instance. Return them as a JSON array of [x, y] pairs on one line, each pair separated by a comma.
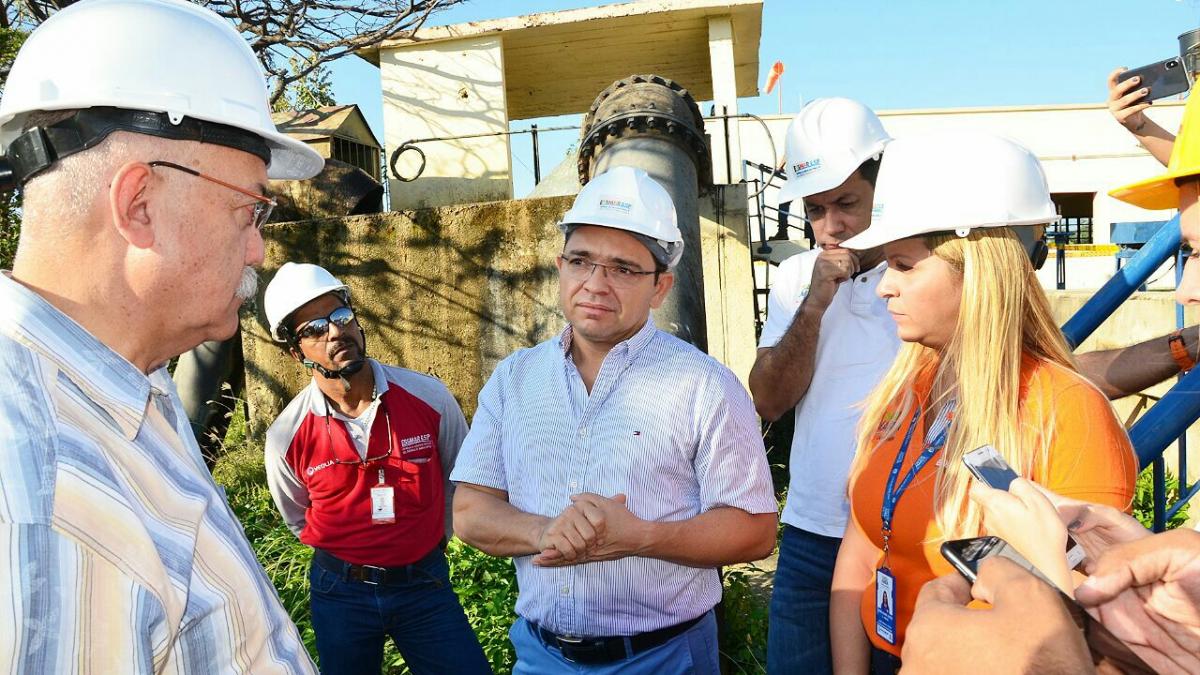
[[666, 281], [129, 197]]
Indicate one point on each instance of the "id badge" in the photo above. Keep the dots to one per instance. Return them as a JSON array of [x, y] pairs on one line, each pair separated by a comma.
[[885, 605], [383, 503]]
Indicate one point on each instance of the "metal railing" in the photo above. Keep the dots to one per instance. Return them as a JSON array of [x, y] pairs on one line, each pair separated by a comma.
[[1167, 421], [772, 223]]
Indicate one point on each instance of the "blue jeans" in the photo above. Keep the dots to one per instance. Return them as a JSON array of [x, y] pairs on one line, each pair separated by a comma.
[[692, 652], [798, 632], [421, 615]]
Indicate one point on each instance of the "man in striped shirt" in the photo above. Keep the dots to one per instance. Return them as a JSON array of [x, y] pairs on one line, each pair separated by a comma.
[[142, 167], [617, 465]]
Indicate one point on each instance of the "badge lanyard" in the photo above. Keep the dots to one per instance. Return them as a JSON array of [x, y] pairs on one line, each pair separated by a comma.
[[885, 581]]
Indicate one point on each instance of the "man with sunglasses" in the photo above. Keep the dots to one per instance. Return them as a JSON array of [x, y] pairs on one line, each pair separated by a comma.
[[142, 166], [618, 466], [358, 464]]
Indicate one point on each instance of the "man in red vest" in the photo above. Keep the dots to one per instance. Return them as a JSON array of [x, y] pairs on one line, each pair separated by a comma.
[[357, 464]]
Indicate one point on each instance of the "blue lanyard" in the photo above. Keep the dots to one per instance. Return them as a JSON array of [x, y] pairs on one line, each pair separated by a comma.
[[892, 492]]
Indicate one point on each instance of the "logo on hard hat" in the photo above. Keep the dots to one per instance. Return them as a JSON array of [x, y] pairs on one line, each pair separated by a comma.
[[803, 168], [616, 205]]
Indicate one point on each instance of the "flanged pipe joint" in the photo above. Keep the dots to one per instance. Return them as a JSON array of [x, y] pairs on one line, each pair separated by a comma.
[[653, 123]]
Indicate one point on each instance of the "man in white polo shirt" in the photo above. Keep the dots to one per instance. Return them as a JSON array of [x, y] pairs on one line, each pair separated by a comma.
[[827, 341]]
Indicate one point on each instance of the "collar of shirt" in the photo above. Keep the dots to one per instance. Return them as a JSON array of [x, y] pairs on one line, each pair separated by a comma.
[[626, 349], [316, 400], [112, 382]]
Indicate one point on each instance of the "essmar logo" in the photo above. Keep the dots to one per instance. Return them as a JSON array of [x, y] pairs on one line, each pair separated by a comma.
[[802, 168], [616, 204]]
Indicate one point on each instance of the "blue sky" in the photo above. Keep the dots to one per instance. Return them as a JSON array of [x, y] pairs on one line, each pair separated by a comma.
[[892, 54]]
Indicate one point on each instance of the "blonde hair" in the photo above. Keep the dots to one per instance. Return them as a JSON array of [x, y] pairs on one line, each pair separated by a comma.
[[1003, 315]]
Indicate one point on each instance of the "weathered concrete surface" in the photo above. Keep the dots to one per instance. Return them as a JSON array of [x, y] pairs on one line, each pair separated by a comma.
[[453, 290], [447, 291]]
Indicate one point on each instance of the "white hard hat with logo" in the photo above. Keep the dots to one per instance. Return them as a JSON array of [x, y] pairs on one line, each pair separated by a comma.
[[148, 56], [628, 199], [826, 142], [294, 285], [955, 181]]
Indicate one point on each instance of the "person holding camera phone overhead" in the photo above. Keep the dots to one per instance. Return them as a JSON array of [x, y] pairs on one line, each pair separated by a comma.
[[983, 363]]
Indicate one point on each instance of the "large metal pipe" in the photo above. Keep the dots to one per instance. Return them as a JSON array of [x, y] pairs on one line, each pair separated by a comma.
[[652, 123]]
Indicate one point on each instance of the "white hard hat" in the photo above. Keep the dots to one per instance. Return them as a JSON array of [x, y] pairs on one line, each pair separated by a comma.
[[826, 142], [628, 199], [294, 285], [955, 181], [160, 56]]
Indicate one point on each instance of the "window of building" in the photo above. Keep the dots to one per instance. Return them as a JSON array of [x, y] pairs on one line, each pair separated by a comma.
[[363, 156], [1076, 224]]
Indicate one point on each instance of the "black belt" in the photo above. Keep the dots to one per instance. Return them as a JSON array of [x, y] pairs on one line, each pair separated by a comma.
[[373, 574], [609, 649]]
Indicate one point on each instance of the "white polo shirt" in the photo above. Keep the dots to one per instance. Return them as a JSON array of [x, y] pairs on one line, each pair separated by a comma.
[[857, 344]]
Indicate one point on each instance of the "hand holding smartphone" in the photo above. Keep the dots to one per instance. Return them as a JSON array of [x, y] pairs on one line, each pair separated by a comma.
[[989, 467], [967, 554], [1164, 78]]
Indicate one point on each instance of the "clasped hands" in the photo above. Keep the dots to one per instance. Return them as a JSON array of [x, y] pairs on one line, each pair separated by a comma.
[[593, 528]]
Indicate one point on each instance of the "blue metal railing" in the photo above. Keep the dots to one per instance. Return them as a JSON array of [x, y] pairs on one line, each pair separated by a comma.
[[1166, 421]]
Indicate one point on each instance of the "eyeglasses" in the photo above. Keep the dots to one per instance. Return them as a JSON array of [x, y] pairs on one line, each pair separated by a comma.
[[318, 328], [263, 205], [576, 268]]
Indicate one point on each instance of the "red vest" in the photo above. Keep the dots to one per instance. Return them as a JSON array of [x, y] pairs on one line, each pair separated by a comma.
[[338, 520]]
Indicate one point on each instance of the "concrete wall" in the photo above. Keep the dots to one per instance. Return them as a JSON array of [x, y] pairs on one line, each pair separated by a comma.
[[447, 89], [453, 290]]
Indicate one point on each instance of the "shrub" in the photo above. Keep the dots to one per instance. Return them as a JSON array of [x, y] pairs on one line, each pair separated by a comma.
[[1143, 500]]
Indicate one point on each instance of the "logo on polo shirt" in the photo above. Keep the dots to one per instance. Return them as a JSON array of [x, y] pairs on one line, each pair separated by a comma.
[[323, 465], [413, 444]]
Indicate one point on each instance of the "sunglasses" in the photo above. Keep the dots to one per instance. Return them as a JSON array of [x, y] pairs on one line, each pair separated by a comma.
[[318, 328], [263, 205]]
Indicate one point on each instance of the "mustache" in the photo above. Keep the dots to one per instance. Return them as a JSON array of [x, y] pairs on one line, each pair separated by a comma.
[[248, 285], [345, 343]]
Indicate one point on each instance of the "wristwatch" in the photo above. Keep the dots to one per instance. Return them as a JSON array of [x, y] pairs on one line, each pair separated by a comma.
[[1179, 352]]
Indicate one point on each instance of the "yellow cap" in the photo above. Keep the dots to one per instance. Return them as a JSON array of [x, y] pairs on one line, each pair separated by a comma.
[[1160, 192]]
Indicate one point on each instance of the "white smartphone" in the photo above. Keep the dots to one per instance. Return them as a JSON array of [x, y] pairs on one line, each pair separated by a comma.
[[986, 464]]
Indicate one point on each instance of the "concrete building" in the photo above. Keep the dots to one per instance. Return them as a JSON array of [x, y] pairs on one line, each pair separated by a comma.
[[473, 79], [336, 132]]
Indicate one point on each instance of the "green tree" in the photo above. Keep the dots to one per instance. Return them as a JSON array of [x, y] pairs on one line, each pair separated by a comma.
[[312, 91], [11, 40]]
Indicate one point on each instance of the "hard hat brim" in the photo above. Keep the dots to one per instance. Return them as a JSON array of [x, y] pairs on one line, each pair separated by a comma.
[[1156, 193]]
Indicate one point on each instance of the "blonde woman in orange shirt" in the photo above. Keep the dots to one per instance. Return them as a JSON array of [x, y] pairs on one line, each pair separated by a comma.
[[983, 363]]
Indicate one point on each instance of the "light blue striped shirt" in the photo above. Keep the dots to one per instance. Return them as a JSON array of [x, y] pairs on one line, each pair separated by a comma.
[[665, 424], [118, 552]]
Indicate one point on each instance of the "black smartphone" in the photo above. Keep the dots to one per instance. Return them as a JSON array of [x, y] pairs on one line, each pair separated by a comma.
[[1165, 78], [966, 554], [989, 467]]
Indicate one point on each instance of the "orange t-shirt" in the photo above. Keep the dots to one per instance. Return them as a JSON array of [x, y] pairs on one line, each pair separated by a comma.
[[1090, 459]]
